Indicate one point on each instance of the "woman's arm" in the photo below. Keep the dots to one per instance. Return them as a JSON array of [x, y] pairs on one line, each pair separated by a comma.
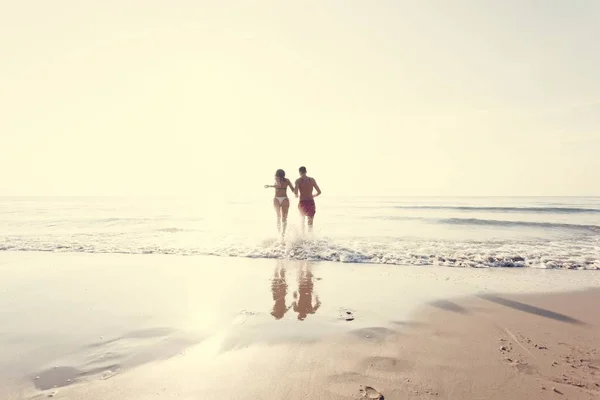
[[291, 186], [269, 186]]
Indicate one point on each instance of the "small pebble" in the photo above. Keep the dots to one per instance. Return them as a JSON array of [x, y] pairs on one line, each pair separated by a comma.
[[557, 391], [503, 348], [53, 394]]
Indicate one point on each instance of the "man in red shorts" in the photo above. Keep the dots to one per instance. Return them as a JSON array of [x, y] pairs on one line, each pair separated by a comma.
[[305, 185]]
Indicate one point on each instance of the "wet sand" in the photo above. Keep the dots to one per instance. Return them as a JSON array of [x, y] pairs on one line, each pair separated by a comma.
[[92, 326]]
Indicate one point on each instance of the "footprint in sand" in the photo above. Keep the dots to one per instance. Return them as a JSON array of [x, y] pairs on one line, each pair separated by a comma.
[[370, 393]]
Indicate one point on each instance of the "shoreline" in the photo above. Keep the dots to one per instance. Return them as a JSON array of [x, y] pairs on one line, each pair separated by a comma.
[[516, 266], [124, 326]]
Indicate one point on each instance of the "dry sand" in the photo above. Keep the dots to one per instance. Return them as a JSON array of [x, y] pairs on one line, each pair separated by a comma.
[[146, 327]]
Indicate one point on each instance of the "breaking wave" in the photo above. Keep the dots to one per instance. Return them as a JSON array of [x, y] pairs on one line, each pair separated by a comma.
[[532, 224]]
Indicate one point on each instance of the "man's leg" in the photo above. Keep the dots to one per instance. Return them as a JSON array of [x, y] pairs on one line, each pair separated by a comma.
[[311, 214]]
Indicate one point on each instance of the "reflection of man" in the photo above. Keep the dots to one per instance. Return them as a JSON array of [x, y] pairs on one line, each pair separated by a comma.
[[303, 303], [307, 207], [279, 289]]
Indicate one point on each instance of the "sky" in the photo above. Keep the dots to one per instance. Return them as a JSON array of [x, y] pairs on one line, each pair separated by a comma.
[[209, 98]]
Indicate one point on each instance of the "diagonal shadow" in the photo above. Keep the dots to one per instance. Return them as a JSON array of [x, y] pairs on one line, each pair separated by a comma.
[[449, 306], [530, 309]]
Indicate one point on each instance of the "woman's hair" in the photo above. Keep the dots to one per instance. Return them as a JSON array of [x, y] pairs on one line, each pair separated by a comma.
[[281, 175]]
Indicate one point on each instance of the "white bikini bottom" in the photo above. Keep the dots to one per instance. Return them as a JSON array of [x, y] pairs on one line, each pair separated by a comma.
[[281, 199]]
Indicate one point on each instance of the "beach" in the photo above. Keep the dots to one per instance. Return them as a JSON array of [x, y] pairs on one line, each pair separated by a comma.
[[299, 200], [97, 326]]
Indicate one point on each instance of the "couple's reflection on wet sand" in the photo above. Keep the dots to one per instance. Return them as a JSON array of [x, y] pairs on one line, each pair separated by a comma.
[[279, 288], [303, 297]]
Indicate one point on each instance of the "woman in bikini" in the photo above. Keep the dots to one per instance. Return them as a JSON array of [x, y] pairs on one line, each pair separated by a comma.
[[281, 201]]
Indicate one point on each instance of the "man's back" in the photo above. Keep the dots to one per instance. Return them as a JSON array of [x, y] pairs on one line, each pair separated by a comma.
[[305, 186]]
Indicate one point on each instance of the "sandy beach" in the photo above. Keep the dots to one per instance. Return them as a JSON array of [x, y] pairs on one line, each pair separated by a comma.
[[93, 326], [299, 200]]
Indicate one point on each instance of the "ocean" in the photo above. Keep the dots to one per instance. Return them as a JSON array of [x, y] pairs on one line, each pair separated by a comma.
[[530, 232]]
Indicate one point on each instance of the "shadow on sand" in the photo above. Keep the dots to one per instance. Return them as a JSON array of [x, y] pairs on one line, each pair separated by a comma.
[[449, 306], [530, 309]]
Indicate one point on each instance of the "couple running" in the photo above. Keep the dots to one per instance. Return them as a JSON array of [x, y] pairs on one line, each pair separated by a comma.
[[305, 185]]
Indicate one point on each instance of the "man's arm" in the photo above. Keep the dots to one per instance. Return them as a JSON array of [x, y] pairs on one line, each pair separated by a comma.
[[316, 187]]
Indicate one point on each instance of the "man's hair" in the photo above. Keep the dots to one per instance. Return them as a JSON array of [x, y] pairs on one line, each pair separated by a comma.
[[302, 170]]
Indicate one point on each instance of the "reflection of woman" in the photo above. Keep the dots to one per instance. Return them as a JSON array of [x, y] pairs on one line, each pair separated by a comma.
[[281, 201], [303, 303], [279, 289]]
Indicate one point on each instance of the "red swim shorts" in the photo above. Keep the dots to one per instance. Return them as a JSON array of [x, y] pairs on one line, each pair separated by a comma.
[[307, 208]]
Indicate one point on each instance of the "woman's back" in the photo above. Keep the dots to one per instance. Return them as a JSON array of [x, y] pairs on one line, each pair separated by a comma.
[[281, 186]]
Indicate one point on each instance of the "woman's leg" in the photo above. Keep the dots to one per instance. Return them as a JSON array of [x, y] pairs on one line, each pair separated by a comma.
[[285, 207], [277, 207]]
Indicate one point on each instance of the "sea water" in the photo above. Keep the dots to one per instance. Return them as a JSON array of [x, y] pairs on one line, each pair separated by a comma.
[[537, 232]]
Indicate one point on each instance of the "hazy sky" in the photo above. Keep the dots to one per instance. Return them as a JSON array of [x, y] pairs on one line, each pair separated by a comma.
[[374, 97]]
